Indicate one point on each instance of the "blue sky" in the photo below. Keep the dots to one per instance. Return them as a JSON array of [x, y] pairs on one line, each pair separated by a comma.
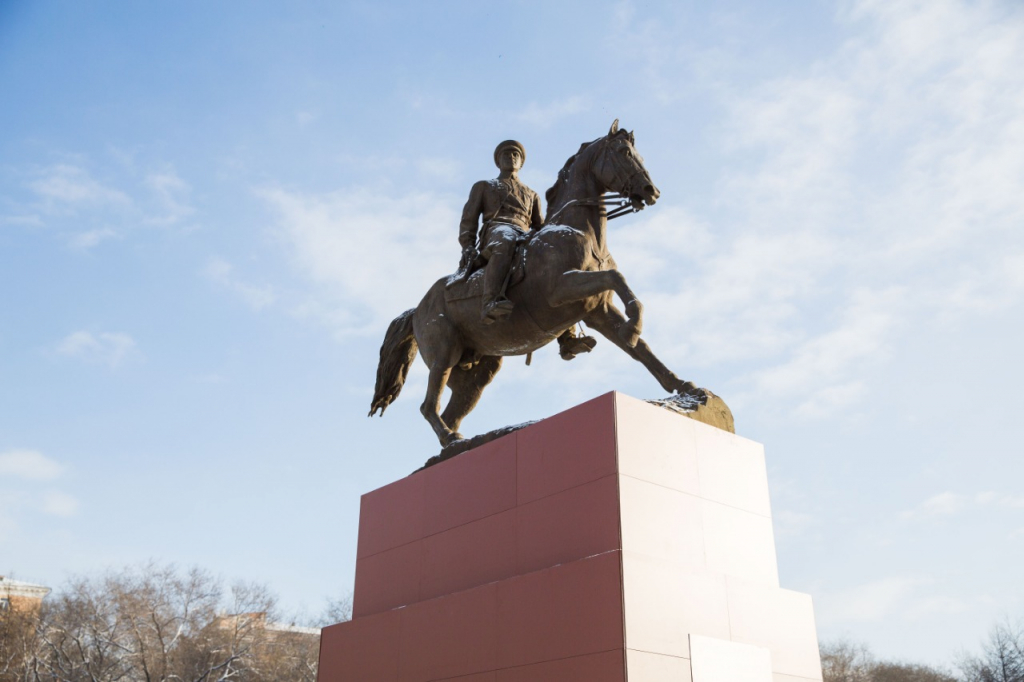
[[209, 213]]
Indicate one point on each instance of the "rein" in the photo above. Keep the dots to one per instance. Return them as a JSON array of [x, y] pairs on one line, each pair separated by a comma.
[[621, 200]]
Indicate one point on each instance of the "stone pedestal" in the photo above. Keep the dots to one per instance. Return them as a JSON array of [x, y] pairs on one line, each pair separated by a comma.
[[613, 541]]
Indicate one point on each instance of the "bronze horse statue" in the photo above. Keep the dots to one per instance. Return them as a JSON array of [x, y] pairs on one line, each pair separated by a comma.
[[569, 277]]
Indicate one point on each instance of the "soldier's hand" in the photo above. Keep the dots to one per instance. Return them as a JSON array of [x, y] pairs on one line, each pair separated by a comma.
[[469, 256]]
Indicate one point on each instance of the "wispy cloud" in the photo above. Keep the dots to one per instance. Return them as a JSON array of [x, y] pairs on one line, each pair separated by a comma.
[[73, 198], [56, 503], [90, 238], [366, 256], [949, 503], [21, 474], [171, 194], [72, 187], [256, 297], [869, 601], [873, 191], [903, 597], [108, 348], [29, 465]]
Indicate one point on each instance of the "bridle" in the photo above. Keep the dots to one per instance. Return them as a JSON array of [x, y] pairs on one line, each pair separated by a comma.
[[622, 200]]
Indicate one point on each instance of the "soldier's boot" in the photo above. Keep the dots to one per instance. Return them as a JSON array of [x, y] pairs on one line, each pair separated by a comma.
[[495, 305], [570, 345]]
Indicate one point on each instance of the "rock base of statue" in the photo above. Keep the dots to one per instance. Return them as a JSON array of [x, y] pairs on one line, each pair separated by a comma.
[[614, 539]]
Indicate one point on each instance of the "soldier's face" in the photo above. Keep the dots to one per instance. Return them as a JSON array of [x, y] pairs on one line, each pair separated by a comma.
[[510, 159]]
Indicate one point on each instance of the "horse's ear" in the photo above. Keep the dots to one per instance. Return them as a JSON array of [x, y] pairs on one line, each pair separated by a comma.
[[631, 138], [615, 128]]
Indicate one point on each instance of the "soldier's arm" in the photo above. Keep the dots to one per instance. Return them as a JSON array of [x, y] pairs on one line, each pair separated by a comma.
[[537, 218], [471, 216]]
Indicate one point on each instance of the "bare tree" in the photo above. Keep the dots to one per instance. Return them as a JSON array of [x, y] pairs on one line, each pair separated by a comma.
[[157, 624], [337, 610], [908, 672], [844, 661], [1002, 657], [18, 643]]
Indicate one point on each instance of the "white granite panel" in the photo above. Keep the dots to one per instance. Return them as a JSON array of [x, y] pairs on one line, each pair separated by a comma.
[[656, 445], [719, 660], [643, 666], [731, 470], [781, 620], [779, 677], [664, 604], [661, 523], [739, 543]]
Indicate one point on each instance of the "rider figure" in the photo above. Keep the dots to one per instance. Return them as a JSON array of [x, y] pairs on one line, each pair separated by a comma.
[[509, 210]]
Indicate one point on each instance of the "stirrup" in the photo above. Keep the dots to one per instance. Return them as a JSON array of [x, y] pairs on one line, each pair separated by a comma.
[[576, 346], [496, 310]]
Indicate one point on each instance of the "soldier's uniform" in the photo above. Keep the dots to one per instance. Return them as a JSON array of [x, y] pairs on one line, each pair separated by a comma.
[[510, 210]]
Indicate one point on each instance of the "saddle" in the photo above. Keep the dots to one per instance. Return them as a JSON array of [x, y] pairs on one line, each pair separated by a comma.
[[460, 287]]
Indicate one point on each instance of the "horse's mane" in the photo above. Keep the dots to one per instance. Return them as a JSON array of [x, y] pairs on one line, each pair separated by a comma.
[[563, 179]]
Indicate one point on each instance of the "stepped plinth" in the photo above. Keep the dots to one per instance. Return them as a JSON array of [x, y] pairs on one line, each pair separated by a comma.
[[614, 541]]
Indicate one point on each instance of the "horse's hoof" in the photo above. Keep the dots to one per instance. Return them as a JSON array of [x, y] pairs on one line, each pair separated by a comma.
[[689, 389], [454, 437]]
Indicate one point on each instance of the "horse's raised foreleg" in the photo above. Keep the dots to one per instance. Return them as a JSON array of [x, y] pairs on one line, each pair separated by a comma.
[[577, 285], [608, 321], [467, 386]]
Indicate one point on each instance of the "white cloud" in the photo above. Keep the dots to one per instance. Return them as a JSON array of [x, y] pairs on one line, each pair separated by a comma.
[[171, 194], [903, 597], [90, 238], [949, 503], [368, 255], [70, 196], [867, 602], [257, 297], [109, 348], [875, 190], [942, 504], [56, 503], [788, 523], [70, 186], [30, 465]]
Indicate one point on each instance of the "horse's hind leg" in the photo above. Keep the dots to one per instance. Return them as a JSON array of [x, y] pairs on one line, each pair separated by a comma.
[[431, 404], [467, 386]]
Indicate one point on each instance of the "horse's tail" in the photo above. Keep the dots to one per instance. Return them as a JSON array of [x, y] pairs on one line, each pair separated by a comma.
[[396, 356]]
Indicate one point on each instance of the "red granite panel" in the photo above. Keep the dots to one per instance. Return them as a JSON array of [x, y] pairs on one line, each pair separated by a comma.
[[608, 666], [473, 485], [561, 612], [364, 650], [470, 555], [388, 579], [391, 516], [573, 524], [491, 676], [573, 447], [451, 636]]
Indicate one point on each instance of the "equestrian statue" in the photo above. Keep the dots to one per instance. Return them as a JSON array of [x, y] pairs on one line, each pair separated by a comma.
[[523, 283]]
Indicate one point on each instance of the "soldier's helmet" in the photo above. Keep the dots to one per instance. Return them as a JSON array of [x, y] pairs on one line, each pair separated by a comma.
[[504, 145]]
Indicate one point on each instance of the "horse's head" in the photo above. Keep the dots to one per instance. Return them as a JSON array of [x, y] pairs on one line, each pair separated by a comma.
[[620, 169]]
